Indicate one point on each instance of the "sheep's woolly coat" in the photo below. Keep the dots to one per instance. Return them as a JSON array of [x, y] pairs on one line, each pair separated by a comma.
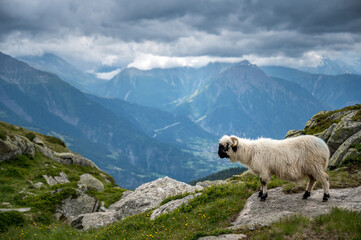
[[291, 159]]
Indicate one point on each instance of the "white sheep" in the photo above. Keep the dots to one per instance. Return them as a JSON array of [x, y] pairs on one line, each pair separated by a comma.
[[291, 159]]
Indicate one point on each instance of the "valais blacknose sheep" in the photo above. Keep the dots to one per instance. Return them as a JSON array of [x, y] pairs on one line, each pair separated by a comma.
[[291, 159]]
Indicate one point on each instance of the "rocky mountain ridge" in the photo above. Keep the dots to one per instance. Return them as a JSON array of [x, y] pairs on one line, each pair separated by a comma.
[[244, 101], [42, 101]]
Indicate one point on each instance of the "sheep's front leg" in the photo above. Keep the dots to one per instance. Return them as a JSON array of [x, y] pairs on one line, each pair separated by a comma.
[[265, 179], [261, 190]]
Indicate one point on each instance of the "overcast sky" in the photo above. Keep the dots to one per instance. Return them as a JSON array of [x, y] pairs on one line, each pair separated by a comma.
[[168, 33]]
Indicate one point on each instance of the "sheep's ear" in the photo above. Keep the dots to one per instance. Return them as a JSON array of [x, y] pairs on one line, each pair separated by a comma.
[[234, 149], [234, 143]]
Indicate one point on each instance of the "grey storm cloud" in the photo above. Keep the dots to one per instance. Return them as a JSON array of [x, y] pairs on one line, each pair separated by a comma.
[[192, 28], [132, 19]]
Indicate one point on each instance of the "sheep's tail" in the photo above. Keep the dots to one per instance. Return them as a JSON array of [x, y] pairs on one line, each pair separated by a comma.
[[325, 152]]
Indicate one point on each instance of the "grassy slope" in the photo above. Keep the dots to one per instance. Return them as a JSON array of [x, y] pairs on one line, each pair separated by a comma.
[[211, 213], [17, 177]]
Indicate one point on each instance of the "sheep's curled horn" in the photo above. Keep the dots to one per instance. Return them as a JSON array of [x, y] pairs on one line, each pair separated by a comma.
[[234, 143]]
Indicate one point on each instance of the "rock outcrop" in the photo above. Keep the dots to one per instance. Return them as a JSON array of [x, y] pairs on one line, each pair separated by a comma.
[[145, 197], [94, 220], [172, 206], [66, 157], [61, 179], [149, 196], [279, 205], [71, 207], [345, 150], [224, 237], [207, 184], [340, 136], [91, 182], [14, 146]]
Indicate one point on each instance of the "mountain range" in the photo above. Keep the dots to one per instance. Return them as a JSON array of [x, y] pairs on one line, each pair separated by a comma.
[[160, 88], [51, 63], [335, 91], [42, 101], [243, 100], [232, 98]]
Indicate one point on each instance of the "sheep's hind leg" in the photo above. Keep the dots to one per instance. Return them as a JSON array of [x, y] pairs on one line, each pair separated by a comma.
[[264, 182], [323, 178], [311, 183]]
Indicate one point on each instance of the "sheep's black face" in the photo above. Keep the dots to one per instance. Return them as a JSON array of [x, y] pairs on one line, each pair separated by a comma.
[[222, 151]]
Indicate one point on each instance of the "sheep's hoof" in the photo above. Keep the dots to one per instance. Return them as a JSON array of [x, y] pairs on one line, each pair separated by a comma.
[[325, 197], [263, 198], [306, 195], [260, 194]]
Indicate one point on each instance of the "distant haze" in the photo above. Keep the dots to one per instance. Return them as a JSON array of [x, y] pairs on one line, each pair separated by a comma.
[[168, 33]]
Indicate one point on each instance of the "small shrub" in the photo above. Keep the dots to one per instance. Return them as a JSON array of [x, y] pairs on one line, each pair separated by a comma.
[[30, 136], [47, 202], [15, 172], [5, 188], [22, 161], [55, 140], [2, 136], [11, 218], [357, 117], [44, 218], [356, 146], [109, 196], [353, 158]]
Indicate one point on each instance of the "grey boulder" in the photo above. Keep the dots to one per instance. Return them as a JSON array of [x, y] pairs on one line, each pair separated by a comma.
[[73, 207], [89, 181], [94, 220], [149, 196]]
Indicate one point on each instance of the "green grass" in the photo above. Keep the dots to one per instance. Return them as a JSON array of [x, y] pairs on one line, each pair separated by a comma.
[[42, 232], [17, 176], [175, 197], [54, 140], [11, 218], [338, 224]]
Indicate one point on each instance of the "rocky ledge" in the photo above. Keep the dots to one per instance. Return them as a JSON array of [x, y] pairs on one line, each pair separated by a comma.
[[146, 197], [342, 132], [279, 204]]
